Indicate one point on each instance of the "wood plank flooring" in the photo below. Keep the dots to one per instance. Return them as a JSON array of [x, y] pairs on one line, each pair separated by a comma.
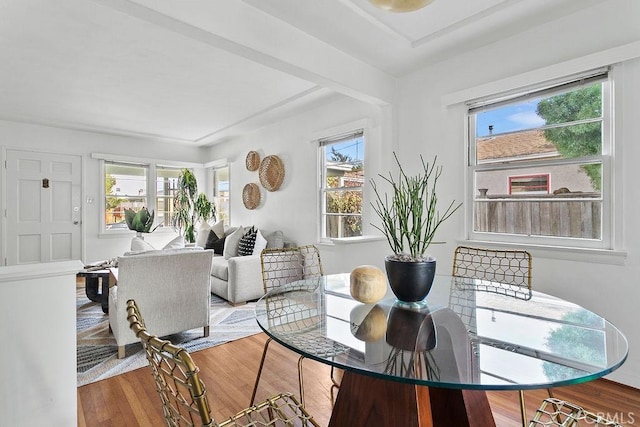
[[229, 372]]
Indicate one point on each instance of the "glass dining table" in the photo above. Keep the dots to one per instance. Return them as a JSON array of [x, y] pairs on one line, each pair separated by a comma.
[[431, 364]]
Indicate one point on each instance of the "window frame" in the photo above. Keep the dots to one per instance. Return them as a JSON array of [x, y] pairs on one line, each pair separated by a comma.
[[606, 158], [214, 182], [330, 138], [156, 168], [152, 166], [147, 195]]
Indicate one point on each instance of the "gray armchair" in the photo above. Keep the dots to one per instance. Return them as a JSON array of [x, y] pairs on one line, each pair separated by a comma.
[[171, 286]]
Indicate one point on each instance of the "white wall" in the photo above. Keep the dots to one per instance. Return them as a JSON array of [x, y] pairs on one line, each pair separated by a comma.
[[294, 208], [45, 139], [427, 126]]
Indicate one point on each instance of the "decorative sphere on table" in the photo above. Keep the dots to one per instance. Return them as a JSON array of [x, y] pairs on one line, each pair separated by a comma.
[[368, 284], [368, 323]]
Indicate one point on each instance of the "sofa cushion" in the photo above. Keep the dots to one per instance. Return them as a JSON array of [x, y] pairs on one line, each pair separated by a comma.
[[220, 268], [275, 239], [203, 234], [176, 243], [260, 244], [138, 244], [247, 242], [231, 243]]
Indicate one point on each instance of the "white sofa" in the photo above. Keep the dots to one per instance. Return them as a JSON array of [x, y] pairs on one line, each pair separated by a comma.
[[238, 279], [171, 287]]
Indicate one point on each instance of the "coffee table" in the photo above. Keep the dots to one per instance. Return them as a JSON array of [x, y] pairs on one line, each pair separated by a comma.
[[96, 286]]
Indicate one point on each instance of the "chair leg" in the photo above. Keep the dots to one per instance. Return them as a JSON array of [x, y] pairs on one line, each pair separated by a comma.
[[301, 381], [206, 331], [523, 409], [120, 352], [264, 355]]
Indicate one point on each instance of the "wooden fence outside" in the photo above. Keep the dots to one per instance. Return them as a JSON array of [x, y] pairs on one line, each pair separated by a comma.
[[570, 215]]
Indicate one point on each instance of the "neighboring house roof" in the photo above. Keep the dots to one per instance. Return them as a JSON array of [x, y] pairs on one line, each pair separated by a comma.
[[518, 145]]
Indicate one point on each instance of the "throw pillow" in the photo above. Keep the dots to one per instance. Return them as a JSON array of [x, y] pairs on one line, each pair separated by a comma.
[[231, 243], [138, 244], [261, 243], [177, 243], [203, 234], [248, 240], [218, 228], [213, 237], [218, 246], [275, 240]]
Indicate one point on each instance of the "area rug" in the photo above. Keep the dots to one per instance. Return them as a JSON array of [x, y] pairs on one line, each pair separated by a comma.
[[97, 350]]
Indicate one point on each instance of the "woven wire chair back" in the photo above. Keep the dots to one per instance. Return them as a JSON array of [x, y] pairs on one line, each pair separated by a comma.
[[555, 412], [183, 394], [506, 272], [285, 265]]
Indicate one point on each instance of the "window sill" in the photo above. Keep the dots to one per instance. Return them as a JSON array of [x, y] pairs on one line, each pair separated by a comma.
[[600, 256], [351, 240]]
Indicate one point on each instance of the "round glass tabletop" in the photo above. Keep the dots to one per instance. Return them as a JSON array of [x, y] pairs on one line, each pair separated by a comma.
[[470, 334]]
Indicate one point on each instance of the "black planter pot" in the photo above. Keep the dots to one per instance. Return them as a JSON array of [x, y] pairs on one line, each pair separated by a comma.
[[410, 281]]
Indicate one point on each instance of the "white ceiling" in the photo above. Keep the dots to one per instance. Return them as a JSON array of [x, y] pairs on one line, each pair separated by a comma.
[[202, 71]]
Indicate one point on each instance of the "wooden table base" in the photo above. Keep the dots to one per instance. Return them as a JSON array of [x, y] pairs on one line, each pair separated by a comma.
[[367, 401]]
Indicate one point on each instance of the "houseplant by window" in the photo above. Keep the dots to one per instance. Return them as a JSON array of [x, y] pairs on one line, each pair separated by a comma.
[[190, 206], [410, 218], [140, 221]]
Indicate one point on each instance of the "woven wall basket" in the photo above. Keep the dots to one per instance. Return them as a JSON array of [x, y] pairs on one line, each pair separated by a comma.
[[251, 196], [271, 172], [253, 161]]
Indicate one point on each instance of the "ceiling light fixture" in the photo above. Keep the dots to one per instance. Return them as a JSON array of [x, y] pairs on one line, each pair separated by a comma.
[[400, 5]]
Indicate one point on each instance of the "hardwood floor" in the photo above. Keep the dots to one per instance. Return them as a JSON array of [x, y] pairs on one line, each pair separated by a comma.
[[229, 372]]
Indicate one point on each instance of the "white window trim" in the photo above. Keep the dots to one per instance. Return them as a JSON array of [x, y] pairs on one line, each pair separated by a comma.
[[151, 189], [611, 213], [365, 125]]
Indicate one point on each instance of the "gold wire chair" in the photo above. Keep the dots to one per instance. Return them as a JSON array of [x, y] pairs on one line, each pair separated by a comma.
[[555, 412], [184, 395], [505, 272], [281, 266]]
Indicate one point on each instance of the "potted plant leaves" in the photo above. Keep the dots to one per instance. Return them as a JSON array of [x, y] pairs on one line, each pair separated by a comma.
[[410, 218], [190, 206], [140, 221]]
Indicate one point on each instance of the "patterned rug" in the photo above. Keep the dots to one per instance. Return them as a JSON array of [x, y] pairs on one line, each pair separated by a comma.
[[97, 350]]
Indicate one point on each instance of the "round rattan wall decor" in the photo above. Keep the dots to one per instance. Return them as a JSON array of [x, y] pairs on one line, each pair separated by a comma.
[[253, 161], [271, 172], [251, 196]]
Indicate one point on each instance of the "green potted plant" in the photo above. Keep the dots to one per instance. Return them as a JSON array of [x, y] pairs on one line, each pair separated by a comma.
[[140, 221], [410, 218], [190, 206]]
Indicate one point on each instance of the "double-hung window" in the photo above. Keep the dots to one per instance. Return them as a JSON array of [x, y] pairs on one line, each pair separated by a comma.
[[166, 188], [221, 194], [540, 165], [125, 187], [341, 185]]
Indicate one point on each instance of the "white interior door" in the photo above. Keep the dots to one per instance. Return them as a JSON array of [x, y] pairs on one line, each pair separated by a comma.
[[43, 215]]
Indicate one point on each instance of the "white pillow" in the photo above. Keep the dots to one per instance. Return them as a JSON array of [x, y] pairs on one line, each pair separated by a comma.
[[261, 243], [137, 245], [231, 243], [177, 243], [218, 228], [203, 234]]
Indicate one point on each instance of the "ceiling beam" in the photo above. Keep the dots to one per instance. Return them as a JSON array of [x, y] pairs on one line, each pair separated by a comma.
[[242, 30]]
